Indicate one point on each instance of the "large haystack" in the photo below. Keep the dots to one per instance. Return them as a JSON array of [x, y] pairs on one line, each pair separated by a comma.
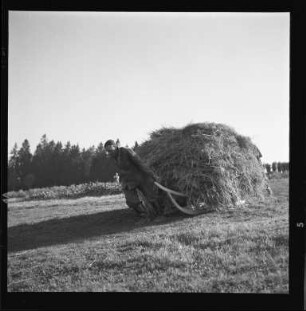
[[211, 163]]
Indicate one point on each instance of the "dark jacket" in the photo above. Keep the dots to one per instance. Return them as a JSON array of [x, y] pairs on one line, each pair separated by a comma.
[[132, 170]]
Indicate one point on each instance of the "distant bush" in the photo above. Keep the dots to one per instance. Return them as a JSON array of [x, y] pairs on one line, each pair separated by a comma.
[[68, 192], [15, 194]]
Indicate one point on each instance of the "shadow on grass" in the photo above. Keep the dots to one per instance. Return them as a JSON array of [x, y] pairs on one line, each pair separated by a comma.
[[77, 228]]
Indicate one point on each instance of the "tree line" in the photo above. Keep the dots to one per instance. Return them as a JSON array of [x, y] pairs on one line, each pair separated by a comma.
[[281, 167], [55, 164]]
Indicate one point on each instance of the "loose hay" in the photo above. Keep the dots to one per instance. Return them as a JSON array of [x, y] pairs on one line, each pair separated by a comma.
[[211, 163]]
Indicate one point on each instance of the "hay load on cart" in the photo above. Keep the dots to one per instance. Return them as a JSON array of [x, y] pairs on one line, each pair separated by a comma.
[[207, 166]]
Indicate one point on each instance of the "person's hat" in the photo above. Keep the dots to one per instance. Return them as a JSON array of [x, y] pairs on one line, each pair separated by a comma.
[[110, 142]]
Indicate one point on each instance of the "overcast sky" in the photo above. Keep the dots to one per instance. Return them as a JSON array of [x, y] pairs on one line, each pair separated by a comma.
[[86, 77]]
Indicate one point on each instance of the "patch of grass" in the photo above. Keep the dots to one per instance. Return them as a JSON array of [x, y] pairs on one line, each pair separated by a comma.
[[279, 175], [87, 245]]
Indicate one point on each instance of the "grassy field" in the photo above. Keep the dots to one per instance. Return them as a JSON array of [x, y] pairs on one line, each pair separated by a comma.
[[98, 244]]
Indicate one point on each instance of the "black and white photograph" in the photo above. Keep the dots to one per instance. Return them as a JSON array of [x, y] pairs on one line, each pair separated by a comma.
[[148, 152]]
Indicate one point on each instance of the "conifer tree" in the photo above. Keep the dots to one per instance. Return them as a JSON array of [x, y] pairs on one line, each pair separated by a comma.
[[25, 165], [13, 169]]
